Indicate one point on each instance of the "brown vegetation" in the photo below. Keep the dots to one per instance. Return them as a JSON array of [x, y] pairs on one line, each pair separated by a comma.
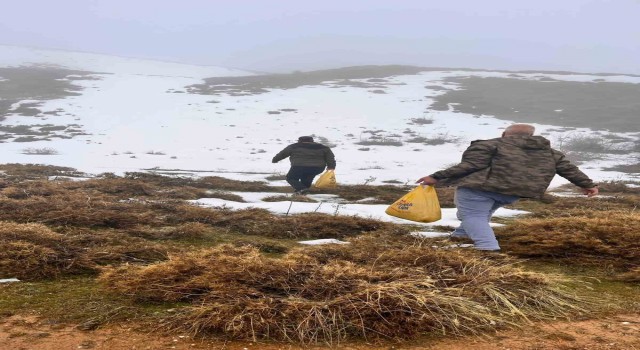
[[372, 288], [33, 251], [262, 284], [601, 238], [385, 194]]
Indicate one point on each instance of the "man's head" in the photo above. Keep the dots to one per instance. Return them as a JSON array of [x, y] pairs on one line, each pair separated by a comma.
[[305, 139], [519, 130]]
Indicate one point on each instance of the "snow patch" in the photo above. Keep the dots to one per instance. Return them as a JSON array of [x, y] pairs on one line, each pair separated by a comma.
[[323, 241]]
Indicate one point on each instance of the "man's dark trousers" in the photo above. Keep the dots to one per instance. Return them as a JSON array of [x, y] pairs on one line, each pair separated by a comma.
[[301, 177]]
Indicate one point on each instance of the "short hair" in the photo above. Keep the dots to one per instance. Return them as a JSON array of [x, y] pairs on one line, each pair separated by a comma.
[[520, 130], [305, 139]]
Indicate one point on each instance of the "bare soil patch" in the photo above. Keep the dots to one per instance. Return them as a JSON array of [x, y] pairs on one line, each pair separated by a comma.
[[619, 332]]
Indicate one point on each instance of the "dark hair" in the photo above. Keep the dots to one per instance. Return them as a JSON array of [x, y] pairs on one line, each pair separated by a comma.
[[305, 139]]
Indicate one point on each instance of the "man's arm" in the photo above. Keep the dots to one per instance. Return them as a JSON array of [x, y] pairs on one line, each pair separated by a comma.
[[571, 172], [330, 159], [282, 154], [475, 157]]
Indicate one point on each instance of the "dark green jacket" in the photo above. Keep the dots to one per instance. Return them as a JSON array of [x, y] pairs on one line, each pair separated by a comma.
[[515, 165], [307, 154]]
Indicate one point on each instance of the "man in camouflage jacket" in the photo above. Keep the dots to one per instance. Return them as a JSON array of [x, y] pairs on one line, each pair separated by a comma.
[[497, 172], [308, 159]]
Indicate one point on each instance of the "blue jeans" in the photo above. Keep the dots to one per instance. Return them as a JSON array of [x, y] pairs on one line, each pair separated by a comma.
[[475, 208]]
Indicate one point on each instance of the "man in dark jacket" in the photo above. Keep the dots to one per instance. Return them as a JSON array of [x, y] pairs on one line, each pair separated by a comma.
[[497, 172], [308, 159]]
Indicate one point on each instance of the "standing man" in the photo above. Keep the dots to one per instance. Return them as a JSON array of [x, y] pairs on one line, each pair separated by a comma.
[[308, 159], [497, 172]]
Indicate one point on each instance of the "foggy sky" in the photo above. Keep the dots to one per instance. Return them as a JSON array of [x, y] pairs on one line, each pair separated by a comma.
[[287, 35]]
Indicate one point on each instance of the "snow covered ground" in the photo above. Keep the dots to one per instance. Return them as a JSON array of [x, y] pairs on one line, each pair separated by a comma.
[[139, 117]]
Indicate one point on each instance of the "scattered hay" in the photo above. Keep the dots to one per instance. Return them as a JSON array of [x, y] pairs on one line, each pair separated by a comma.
[[37, 171], [186, 230], [55, 204], [632, 275], [223, 195], [267, 246], [33, 251], [366, 289], [386, 194], [610, 187], [260, 222], [189, 230], [75, 209], [612, 237], [221, 183], [552, 207], [285, 198]]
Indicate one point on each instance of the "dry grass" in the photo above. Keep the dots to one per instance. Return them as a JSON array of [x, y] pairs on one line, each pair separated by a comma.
[[187, 230], [553, 207], [33, 251], [55, 204], [36, 171], [600, 238], [611, 187], [285, 198], [367, 289], [633, 275], [385, 194], [260, 222], [627, 187], [385, 284], [75, 209]]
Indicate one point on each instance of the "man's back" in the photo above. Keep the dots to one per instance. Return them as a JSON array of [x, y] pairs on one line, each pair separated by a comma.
[[516, 165], [307, 154], [494, 173]]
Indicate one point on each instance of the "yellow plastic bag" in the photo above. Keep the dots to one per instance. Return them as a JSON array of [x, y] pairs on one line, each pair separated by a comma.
[[421, 204], [327, 180]]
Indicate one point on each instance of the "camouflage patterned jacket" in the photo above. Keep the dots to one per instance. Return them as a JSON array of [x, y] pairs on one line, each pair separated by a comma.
[[515, 165]]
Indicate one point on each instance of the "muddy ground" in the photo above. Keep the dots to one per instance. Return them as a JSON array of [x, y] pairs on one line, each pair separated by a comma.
[[618, 332]]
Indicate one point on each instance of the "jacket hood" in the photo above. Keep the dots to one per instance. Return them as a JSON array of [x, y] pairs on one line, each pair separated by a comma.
[[527, 142]]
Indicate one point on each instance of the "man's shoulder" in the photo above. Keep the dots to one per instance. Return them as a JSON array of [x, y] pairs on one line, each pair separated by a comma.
[[489, 142]]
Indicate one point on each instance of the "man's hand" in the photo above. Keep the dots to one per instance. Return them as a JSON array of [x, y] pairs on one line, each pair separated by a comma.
[[427, 180], [590, 192]]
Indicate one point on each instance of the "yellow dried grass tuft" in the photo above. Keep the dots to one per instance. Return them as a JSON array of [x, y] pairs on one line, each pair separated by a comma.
[[602, 235], [33, 251], [367, 289]]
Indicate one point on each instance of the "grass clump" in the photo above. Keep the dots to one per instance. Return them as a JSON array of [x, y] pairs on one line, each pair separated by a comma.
[[34, 251], [613, 186], [260, 222], [588, 144], [611, 238], [20, 172], [368, 289], [553, 207], [385, 194], [285, 198]]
